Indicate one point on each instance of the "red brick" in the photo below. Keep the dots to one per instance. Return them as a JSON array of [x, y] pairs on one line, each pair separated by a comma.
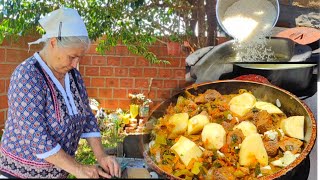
[[92, 92], [97, 82], [112, 82], [183, 62], [102, 102], [128, 61], [165, 73], [170, 84], [124, 104], [162, 50], [87, 81], [2, 86], [179, 73], [99, 60], [16, 55], [113, 61], [2, 119], [111, 51], [111, 104], [126, 83], [152, 94], [2, 55], [81, 69], [3, 102], [135, 72], [174, 62], [150, 72], [134, 91], [6, 42], [20, 42], [155, 50], [7, 84], [106, 71], [122, 72], [120, 94], [92, 49], [86, 60], [141, 61], [91, 71], [163, 94], [141, 83], [122, 50], [105, 93], [157, 83], [7, 69]]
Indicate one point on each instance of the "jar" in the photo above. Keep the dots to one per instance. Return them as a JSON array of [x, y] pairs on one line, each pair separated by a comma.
[[144, 111]]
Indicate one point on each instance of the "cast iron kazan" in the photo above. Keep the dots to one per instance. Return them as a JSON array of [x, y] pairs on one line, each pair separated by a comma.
[[290, 105]]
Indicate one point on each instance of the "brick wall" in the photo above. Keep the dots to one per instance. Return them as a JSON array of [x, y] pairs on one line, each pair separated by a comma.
[[109, 78]]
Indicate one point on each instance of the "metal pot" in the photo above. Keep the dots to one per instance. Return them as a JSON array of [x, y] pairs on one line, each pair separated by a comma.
[[293, 77], [226, 52], [223, 5], [290, 104]]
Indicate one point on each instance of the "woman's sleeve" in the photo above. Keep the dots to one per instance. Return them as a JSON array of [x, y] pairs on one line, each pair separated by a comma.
[[27, 101], [91, 127]]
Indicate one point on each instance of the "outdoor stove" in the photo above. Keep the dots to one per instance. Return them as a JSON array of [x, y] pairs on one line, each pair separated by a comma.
[[209, 63]]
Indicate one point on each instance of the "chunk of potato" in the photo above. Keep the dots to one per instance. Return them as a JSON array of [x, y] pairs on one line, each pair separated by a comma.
[[196, 123], [242, 103], [180, 122], [246, 127], [270, 108], [213, 136], [293, 126], [252, 151], [186, 150]]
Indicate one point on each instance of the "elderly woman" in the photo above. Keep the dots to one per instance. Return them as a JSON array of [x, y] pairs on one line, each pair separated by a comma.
[[49, 109]]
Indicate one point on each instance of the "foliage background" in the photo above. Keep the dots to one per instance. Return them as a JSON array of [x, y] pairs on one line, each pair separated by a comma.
[[135, 23]]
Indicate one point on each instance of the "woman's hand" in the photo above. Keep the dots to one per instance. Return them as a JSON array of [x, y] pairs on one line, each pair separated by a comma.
[[110, 165], [90, 171]]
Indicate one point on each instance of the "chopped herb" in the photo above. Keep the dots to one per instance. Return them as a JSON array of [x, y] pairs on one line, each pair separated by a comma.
[[234, 138], [254, 109], [257, 170], [164, 162], [217, 165], [289, 147]]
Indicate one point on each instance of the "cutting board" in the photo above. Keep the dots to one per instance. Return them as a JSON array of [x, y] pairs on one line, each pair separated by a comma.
[[137, 173]]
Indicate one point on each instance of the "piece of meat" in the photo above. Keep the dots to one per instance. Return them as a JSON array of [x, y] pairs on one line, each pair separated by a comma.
[[272, 147], [263, 121], [200, 99], [290, 144], [209, 95], [248, 116], [235, 137], [227, 126]]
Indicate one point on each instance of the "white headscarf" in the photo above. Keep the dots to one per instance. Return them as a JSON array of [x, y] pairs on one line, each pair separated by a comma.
[[62, 22]]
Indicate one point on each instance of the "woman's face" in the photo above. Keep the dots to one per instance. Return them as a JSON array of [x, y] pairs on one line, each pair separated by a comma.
[[64, 59]]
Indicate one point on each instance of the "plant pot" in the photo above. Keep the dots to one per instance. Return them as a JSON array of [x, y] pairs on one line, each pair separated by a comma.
[[173, 48]]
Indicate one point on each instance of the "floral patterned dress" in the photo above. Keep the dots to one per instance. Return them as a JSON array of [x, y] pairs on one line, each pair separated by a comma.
[[43, 117]]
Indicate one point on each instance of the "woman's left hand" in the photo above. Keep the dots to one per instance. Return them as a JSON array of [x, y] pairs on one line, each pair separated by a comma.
[[110, 165]]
